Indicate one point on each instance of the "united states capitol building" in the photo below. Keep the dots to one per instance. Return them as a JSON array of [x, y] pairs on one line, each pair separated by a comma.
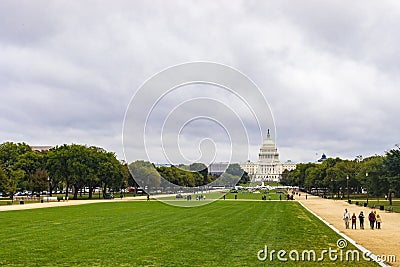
[[268, 168]]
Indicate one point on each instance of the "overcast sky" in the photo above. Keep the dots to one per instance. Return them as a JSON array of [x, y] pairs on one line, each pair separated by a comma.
[[330, 70]]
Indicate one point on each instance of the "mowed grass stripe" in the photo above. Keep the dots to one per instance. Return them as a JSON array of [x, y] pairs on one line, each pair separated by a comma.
[[224, 233]]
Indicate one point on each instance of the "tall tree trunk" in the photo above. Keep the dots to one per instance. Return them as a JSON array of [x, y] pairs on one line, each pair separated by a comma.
[[104, 190], [53, 187], [75, 191], [66, 190], [90, 192]]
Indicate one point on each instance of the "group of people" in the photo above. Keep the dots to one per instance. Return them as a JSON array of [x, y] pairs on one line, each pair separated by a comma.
[[374, 218], [198, 197], [264, 197]]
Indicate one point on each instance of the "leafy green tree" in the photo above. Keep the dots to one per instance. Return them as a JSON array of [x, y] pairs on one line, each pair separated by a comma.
[[78, 166], [311, 176], [57, 167], [125, 175], [35, 175], [6, 183], [237, 171], [145, 174], [376, 182], [64, 166], [10, 152], [9, 156], [392, 171], [39, 180], [298, 175], [202, 169], [226, 179], [245, 178], [344, 169], [91, 179]]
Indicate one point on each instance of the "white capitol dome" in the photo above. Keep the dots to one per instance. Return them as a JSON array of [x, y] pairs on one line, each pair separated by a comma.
[[268, 168]]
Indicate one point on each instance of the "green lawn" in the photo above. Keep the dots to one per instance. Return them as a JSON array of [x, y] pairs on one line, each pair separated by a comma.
[[16, 202], [4, 201], [256, 195], [150, 233], [215, 195]]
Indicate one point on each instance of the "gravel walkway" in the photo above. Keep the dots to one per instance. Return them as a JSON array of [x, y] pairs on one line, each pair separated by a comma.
[[383, 242]]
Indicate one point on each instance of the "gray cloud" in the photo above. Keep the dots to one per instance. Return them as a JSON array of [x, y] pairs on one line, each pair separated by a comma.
[[329, 70]]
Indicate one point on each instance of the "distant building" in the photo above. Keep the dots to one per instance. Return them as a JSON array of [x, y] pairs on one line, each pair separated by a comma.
[[162, 164], [322, 159], [41, 148], [268, 168]]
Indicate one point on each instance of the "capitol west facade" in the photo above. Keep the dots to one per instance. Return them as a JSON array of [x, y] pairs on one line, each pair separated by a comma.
[[268, 168]]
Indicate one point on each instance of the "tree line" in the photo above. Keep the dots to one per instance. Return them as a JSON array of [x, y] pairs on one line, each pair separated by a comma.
[[193, 175], [376, 175], [67, 167], [79, 168]]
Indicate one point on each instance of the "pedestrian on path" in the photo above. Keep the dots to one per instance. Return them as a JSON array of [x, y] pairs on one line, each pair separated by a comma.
[[354, 221], [361, 219], [378, 221], [372, 219], [346, 218]]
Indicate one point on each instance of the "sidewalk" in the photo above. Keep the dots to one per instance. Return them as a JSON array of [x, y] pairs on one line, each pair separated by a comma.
[[383, 242]]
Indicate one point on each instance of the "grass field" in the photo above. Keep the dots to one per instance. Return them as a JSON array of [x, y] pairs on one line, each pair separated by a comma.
[[149, 233], [244, 194], [215, 195]]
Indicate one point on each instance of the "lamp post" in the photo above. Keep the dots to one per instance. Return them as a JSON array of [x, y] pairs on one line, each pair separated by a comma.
[[348, 198], [48, 180], [332, 187], [366, 182]]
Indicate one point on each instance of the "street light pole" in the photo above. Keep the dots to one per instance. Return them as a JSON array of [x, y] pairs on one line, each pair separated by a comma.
[[348, 198], [366, 182], [332, 187], [48, 180]]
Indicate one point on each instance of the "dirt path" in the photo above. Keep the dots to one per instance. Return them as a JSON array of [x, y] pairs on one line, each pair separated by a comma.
[[382, 242]]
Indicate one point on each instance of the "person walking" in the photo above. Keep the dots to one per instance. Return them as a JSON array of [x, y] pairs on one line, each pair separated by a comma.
[[346, 218], [361, 220], [378, 221], [354, 221], [371, 218]]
